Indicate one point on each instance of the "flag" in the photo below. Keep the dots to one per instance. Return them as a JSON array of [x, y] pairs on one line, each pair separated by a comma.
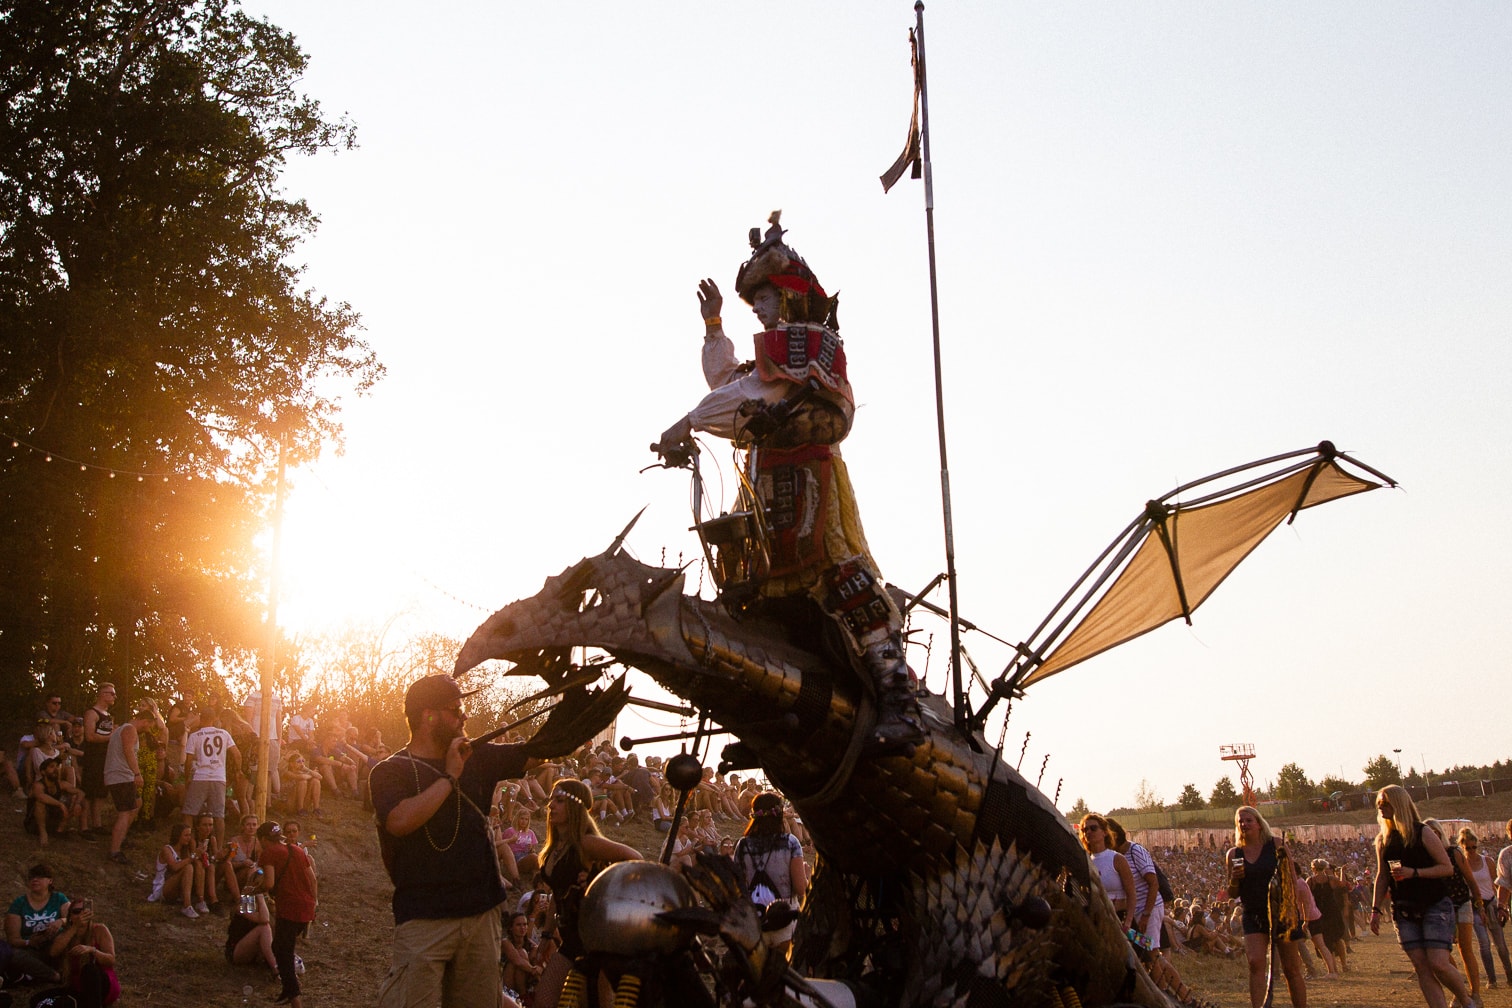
[[912, 150]]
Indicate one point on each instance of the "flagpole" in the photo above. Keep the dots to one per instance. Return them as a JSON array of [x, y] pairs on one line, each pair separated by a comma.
[[958, 700]]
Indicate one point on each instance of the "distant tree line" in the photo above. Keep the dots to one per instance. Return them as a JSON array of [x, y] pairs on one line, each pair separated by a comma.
[[1293, 784]]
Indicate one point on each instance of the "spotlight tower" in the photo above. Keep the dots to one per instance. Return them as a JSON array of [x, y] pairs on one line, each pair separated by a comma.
[[1241, 753]]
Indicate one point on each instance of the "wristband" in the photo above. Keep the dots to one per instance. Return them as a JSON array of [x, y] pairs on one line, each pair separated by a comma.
[[455, 785], [710, 323]]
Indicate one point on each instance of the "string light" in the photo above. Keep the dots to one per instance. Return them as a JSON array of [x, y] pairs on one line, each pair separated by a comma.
[[139, 476]]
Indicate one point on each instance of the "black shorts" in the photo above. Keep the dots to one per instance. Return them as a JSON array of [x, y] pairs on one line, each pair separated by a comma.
[[124, 797], [92, 767], [1258, 923]]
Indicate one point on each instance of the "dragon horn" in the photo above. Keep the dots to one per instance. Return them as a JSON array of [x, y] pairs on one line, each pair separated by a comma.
[[619, 540]]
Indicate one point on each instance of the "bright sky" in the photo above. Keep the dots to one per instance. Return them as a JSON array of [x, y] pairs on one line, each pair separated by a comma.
[[1172, 238]]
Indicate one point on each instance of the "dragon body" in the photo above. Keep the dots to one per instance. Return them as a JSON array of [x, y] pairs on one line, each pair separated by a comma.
[[945, 844]]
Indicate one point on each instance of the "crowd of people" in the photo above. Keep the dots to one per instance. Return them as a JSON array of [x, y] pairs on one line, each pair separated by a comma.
[[534, 833], [1232, 901], [168, 782]]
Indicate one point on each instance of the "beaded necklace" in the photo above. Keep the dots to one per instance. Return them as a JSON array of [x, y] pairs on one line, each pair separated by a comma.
[[456, 793]]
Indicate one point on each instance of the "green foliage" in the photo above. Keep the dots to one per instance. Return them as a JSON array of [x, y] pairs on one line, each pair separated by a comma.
[[1146, 799], [153, 327], [1078, 810], [1293, 784], [1380, 771], [1190, 798], [1328, 785], [1223, 794]]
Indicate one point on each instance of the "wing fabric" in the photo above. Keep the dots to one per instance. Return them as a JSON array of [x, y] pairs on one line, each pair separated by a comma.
[[1186, 553]]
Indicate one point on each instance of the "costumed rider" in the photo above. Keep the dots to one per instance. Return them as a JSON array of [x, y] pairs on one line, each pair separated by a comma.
[[791, 407]]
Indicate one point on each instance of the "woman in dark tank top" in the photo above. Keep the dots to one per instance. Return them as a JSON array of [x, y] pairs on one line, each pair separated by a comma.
[[1412, 863], [573, 852]]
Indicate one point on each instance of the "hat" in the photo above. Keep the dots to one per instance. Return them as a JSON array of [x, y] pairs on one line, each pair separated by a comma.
[[773, 262], [432, 692]]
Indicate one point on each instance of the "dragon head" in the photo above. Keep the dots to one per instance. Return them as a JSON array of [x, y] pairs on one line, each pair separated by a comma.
[[608, 601]]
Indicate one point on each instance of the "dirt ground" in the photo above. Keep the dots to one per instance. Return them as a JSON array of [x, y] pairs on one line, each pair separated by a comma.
[[167, 959], [1381, 977]]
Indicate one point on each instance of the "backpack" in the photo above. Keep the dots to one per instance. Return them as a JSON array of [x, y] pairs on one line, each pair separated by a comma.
[[764, 889], [1166, 892]]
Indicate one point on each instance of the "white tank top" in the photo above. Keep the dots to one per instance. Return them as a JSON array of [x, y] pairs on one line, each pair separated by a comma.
[[1482, 876], [1103, 862]]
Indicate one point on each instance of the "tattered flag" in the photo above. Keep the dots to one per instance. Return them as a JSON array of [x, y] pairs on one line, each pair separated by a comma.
[[912, 150]]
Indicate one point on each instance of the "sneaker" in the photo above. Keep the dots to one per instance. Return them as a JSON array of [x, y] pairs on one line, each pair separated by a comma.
[[298, 966], [119, 858], [190, 913], [201, 907]]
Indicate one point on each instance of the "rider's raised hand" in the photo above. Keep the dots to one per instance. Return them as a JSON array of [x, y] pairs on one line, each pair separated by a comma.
[[710, 301]]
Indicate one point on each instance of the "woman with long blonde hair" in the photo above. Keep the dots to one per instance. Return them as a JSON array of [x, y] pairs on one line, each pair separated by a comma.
[[1251, 864], [573, 852], [1411, 861]]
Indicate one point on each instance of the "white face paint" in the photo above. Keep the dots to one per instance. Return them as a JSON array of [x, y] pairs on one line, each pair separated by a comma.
[[767, 305]]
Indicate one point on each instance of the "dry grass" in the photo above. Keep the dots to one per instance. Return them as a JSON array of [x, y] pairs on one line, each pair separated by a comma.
[[169, 960]]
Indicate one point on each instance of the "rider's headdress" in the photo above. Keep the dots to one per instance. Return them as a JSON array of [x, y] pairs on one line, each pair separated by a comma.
[[772, 262]]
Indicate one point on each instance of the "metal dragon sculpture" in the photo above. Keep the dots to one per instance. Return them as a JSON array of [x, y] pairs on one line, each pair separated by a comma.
[[932, 865]]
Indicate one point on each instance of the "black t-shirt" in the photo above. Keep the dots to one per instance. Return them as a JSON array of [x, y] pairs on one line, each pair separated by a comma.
[[447, 868]]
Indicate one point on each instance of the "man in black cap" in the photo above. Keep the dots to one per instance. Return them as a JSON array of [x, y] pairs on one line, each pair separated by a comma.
[[430, 799]]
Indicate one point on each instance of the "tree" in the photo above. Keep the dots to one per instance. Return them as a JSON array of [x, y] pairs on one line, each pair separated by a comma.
[[1190, 798], [158, 353], [1381, 771], [1223, 793], [1146, 799], [1078, 810], [1293, 784], [1330, 784]]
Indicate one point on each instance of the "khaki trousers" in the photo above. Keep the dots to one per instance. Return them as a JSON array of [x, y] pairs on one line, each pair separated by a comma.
[[453, 961]]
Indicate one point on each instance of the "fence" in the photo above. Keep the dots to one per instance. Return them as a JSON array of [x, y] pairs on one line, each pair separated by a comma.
[[1339, 801]]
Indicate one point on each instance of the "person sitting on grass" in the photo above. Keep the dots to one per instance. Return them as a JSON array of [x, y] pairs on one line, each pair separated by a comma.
[[53, 807], [301, 783], [236, 864], [88, 953], [33, 920], [249, 935], [292, 832], [208, 849], [180, 874]]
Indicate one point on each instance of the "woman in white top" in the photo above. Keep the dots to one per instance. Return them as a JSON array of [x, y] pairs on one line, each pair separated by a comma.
[[180, 873], [1487, 925], [1112, 867]]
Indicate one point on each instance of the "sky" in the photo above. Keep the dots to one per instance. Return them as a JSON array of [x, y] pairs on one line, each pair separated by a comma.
[[1171, 238]]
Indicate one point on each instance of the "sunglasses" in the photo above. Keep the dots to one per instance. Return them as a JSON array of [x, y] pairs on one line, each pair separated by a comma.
[[1091, 828]]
